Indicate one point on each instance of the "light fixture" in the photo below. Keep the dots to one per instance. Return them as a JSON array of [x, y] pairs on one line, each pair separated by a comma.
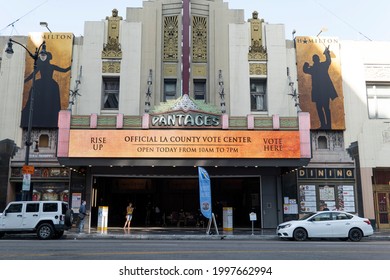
[[39, 52], [323, 29], [9, 51], [45, 24]]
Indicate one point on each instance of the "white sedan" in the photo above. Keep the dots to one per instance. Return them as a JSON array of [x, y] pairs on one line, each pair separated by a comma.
[[326, 224]]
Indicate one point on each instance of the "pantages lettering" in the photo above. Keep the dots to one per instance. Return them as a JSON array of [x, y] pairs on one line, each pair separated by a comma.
[[185, 120]]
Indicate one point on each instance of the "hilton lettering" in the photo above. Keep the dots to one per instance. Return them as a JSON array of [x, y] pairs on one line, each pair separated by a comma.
[[57, 36]]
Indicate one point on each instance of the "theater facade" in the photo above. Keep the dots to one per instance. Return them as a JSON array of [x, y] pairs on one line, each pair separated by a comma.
[[131, 109]]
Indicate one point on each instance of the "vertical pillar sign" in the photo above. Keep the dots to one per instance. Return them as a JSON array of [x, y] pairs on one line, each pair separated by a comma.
[[27, 170], [204, 193], [102, 218], [227, 218], [26, 182]]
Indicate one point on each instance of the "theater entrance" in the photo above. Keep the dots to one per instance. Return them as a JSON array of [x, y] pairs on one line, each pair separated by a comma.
[[174, 202]]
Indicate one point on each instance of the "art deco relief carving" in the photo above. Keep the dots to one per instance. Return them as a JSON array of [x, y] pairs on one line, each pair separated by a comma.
[[375, 72], [36, 136], [171, 39], [199, 39], [334, 139], [200, 71], [258, 69], [170, 70], [112, 49], [256, 49], [386, 136], [111, 67]]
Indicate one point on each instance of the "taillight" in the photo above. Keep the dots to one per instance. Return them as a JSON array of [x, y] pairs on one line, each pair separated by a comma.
[[62, 218], [368, 222]]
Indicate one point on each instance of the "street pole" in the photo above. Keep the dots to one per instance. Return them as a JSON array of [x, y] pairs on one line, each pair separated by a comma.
[[40, 52], [28, 143]]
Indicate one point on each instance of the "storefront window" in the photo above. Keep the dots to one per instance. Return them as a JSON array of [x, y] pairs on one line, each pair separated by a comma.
[[334, 197], [50, 191]]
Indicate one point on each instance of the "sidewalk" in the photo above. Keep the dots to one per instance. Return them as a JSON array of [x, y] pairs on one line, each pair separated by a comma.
[[165, 233]]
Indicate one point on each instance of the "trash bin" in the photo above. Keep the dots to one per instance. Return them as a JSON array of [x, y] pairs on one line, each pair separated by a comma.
[[373, 223]]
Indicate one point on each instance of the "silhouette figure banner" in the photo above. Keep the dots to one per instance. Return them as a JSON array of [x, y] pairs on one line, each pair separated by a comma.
[[52, 81], [320, 82]]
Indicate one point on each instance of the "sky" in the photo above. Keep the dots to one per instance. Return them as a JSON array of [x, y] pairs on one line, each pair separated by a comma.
[[358, 20]]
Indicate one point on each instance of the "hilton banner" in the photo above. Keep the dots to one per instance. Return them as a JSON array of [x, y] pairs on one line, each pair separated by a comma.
[[320, 82], [52, 80]]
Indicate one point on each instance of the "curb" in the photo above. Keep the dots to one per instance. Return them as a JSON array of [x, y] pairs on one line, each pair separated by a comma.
[[169, 237], [102, 236]]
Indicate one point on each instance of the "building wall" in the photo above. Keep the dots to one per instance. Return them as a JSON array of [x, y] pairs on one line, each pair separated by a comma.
[[277, 70], [11, 89], [238, 80], [356, 58], [366, 62]]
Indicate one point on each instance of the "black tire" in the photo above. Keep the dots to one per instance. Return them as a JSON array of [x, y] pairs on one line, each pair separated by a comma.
[[58, 234], [300, 234], [355, 235], [45, 231], [69, 218]]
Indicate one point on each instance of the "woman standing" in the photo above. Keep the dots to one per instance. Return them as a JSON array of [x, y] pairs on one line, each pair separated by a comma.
[[129, 215]]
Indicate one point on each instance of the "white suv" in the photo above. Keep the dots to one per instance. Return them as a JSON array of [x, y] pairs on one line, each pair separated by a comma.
[[48, 219]]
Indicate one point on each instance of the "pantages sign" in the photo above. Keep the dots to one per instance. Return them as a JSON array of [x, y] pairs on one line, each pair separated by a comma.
[[182, 119]]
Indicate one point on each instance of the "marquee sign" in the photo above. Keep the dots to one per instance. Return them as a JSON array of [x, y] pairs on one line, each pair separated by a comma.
[[176, 143]]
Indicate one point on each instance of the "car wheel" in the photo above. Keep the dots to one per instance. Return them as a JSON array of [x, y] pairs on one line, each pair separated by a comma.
[[69, 218], [300, 234], [58, 234], [45, 231], [355, 235]]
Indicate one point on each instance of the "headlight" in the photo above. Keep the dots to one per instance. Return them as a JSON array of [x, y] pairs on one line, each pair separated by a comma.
[[285, 226]]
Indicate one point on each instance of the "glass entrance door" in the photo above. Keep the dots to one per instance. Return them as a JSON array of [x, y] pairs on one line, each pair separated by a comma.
[[382, 200]]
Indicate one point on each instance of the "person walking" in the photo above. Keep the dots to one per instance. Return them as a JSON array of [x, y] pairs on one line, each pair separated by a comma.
[[129, 215], [82, 214]]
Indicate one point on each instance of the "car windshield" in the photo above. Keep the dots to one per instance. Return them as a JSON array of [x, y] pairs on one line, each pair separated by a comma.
[[306, 216]]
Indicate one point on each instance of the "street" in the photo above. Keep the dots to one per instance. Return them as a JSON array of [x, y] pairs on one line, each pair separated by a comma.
[[114, 249]]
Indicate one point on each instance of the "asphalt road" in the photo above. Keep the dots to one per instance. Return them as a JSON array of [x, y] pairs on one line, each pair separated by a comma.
[[115, 249]]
